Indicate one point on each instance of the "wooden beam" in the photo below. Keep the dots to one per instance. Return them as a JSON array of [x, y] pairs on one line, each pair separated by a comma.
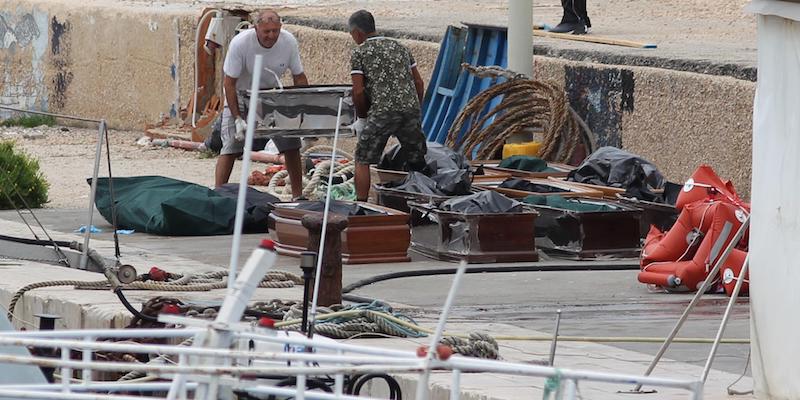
[[593, 39]]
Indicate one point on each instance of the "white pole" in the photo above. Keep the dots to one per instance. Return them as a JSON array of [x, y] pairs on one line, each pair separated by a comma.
[[93, 193], [248, 146], [520, 36], [774, 320]]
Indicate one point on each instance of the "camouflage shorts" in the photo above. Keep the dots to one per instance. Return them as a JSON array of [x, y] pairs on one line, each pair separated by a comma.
[[405, 126]]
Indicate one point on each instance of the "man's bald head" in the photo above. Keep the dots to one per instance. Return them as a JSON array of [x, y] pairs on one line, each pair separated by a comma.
[[268, 27], [268, 15]]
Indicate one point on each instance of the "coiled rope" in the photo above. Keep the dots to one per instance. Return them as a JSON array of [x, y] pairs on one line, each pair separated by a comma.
[[313, 187], [479, 345], [366, 318], [182, 283], [526, 104]]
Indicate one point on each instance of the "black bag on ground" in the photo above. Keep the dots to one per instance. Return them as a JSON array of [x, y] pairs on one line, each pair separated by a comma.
[[164, 206], [610, 166]]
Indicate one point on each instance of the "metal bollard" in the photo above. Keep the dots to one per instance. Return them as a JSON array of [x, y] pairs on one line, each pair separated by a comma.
[[330, 285], [308, 261], [47, 322]]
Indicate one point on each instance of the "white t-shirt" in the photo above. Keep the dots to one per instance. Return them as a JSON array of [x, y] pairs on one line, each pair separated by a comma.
[[242, 51]]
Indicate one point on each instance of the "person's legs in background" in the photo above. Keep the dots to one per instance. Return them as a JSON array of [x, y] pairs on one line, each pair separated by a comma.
[[290, 148], [575, 18], [369, 148], [230, 151]]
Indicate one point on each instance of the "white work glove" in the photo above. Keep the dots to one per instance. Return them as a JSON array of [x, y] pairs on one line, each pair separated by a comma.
[[241, 129], [358, 126]]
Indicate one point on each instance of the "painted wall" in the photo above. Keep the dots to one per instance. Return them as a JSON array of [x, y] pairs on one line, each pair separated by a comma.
[[117, 62], [678, 120]]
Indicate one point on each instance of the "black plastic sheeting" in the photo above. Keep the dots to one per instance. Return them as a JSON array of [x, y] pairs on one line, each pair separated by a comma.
[[486, 202], [257, 205], [528, 186], [610, 166], [337, 207], [448, 169], [417, 182]]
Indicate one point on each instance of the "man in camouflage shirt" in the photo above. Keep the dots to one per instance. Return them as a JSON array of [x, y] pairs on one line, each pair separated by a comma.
[[387, 93]]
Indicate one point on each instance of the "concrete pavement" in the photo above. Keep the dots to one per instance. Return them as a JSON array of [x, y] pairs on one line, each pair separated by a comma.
[[594, 303]]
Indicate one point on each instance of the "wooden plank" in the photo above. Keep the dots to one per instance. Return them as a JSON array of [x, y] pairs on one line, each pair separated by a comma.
[[594, 39]]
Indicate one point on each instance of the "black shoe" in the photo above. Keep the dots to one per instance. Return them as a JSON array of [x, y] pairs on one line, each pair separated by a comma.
[[580, 29], [567, 27]]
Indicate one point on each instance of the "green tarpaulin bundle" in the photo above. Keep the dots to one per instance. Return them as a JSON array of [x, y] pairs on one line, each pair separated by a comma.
[[165, 206], [567, 204]]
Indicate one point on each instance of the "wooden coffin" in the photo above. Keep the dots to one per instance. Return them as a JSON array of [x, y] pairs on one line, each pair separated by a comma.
[[556, 188], [492, 166], [399, 199], [589, 234], [476, 238], [384, 176], [374, 238], [660, 215]]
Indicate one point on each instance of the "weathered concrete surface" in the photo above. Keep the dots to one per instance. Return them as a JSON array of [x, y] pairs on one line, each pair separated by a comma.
[[678, 120], [326, 54], [97, 59]]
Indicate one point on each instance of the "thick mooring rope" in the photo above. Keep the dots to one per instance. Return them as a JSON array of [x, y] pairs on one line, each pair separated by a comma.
[[526, 104]]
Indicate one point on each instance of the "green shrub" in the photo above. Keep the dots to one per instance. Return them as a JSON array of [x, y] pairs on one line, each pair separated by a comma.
[[29, 121], [20, 171]]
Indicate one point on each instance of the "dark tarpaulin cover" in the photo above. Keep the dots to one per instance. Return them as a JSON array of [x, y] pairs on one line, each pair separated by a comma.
[[417, 182], [610, 166], [486, 202], [166, 206], [257, 205], [336, 207], [450, 170], [528, 186]]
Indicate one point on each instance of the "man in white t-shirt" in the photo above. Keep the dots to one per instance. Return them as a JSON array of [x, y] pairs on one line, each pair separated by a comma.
[[280, 53]]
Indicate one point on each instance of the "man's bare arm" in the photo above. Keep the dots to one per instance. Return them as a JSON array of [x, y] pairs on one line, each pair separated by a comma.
[[360, 95], [418, 84], [300, 79]]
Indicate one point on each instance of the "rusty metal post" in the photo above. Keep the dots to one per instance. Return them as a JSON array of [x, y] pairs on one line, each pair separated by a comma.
[[330, 285]]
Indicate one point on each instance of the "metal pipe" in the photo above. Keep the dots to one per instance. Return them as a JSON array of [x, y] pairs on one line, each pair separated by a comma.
[[455, 386], [325, 213], [241, 197], [422, 385], [570, 389], [62, 116], [520, 37], [86, 374], [104, 333], [555, 339], [66, 371], [724, 322], [93, 193], [493, 366]]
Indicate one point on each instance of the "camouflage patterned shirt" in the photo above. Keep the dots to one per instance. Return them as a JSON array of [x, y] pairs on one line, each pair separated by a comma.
[[386, 65]]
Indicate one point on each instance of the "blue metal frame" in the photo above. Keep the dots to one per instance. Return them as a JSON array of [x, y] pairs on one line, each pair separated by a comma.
[[451, 88]]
